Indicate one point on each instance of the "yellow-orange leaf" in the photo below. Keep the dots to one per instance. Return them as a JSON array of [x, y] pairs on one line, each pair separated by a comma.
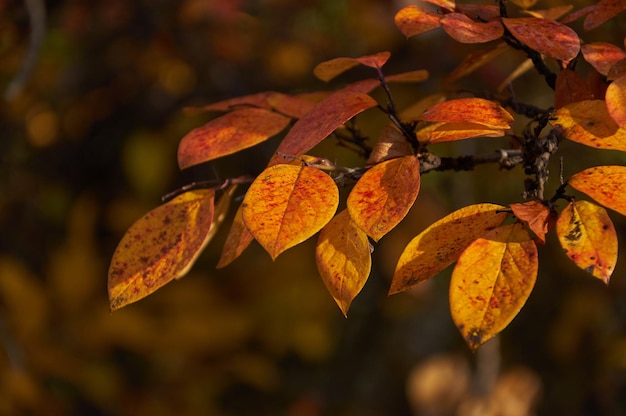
[[473, 110], [605, 184], [588, 237], [384, 195], [602, 55], [238, 239], [589, 123], [228, 134], [448, 132], [413, 20], [343, 259], [547, 37], [536, 215], [330, 69], [160, 246], [463, 29], [491, 282], [616, 101], [286, 204], [442, 243]]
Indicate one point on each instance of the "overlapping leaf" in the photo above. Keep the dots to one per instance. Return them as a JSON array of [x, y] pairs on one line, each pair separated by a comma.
[[463, 29], [442, 243], [553, 13], [390, 145], [287, 204], [160, 246], [605, 184], [602, 55], [491, 282], [616, 101], [536, 215], [328, 70], [588, 237], [570, 87], [602, 12], [343, 259], [413, 20], [384, 195], [472, 110], [448, 132]]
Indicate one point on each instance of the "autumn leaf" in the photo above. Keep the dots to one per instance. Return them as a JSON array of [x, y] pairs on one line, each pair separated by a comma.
[[545, 36], [616, 101], [238, 239], [602, 12], [390, 145], [482, 12], [228, 134], [473, 110], [413, 20], [553, 13], [463, 29], [491, 282], [410, 76], [589, 123], [441, 244], [287, 204], [570, 87], [536, 215], [258, 100], [343, 259], [415, 110], [605, 184], [290, 105], [588, 237], [475, 60], [444, 4], [328, 70], [384, 195], [447, 132], [160, 246], [602, 55], [327, 115], [525, 4]]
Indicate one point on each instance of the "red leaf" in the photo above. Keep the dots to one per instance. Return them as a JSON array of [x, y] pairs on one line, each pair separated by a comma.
[[602, 55], [602, 12], [463, 29], [570, 88]]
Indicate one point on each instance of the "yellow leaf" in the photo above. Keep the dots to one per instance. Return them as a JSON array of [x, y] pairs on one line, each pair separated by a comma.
[[343, 259], [589, 123], [287, 204], [616, 101], [384, 195], [160, 246], [472, 110], [442, 243], [588, 237], [238, 239], [605, 184], [491, 282]]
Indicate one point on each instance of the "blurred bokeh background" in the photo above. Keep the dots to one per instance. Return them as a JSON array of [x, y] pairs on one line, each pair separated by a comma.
[[88, 146]]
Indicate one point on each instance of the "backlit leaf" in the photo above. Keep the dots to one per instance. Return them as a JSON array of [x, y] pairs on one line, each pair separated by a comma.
[[536, 215], [384, 195], [547, 37], [473, 110], [442, 243], [238, 239], [616, 101], [327, 115], [159, 247], [602, 55], [605, 184], [570, 87], [602, 12], [475, 60], [491, 282], [448, 132], [589, 123], [463, 29], [390, 145], [330, 69], [229, 134], [413, 20], [343, 259], [287, 204], [588, 237]]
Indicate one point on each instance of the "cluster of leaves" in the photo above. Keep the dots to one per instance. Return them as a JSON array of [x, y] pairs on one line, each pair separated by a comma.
[[494, 246]]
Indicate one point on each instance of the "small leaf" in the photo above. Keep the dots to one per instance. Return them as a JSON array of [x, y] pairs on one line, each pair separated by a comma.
[[447, 132], [343, 259], [390, 145], [616, 101], [328, 70], [602, 55], [475, 60], [570, 88], [491, 282], [547, 37], [536, 215], [588, 237], [463, 29], [327, 115], [442, 243], [602, 12], [589, 123], [413, 20], [384, 195], [238, 239], [605, 184], [229, 134], [160, 246], [473, 110], [553, 13], [287, 204]]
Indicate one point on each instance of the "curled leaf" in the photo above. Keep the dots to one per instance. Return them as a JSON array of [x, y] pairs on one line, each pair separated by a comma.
[[605, 184], [413, 20], [536, 215]]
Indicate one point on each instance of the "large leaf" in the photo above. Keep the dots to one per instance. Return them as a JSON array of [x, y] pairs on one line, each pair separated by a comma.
[[588, 237], [473, 110], [545, 36], [605, 184], [463, 29], [287, 204], [330, 69], [384, 195], [327, 115], [413, 20], [616, 101], [343, 259], [491, 282], [160, 246], [442, 243], [229, 134]]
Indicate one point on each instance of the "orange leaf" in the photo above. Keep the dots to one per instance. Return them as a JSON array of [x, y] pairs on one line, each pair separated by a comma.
[[442, 243], [545, 36], [229, 134], [602, 56], [475, 60], [618, 70], [536, 215], [602, 12], [473, 110], [552, 13], [321, 121], [588, 237], [289, 105], [414, 111], [160, 246], [330, 69], [589, 123], [448, 132], [384, 195], [491, 282], [482, 12], [444, 4], [238, 239], [616, 101], [605, 184], [258, 100], [410, 76], [463, 29], [390, 145], [413, 20], [570, 88], [287, 204], [343, 259]]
